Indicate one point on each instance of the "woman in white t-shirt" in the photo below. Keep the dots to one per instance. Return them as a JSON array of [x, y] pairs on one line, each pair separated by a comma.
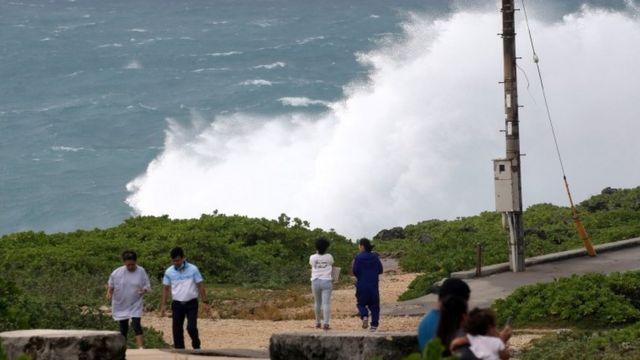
[[321, 282]]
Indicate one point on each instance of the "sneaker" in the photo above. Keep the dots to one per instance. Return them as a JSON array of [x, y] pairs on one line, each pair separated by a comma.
[[318, 326], [365, 322], [326, 327], [373, 329]]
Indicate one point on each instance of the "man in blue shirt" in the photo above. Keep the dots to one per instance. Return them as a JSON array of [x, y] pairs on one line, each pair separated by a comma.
[[428, 326], [367, 268], [184, 281]]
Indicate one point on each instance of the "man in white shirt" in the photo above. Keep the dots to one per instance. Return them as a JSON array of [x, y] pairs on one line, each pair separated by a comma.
[[126, 287]]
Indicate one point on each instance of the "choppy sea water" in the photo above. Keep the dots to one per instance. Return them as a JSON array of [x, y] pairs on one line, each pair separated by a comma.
[[87, 85], [327, 110]]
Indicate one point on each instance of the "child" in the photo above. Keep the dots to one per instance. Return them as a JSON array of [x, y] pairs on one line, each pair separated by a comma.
[[366, 268], [483, 337]]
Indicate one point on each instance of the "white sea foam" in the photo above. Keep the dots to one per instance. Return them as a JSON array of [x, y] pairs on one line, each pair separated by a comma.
[[275, 65], [374, 16], [228, 53], [218, 22], [116, 45], [133, 65], [265, 23], [210, 69], [302, 102], [309, 39], [146, 41], [147, 107], [75, 73], [66, 148], [256, 82], [415, 141]]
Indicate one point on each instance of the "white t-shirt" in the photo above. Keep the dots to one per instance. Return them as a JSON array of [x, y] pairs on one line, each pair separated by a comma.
[[126, 302], [321, 266], [486, 347]]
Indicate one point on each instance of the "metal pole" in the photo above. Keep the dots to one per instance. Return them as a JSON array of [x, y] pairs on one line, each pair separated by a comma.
[[478, 259], [516, 233]]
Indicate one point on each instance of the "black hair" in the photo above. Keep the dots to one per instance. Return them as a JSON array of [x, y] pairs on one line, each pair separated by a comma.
[[366, 244], [129, 255], [479, 321], [322, 244], [454, 287], [177, 252], [452, 313]]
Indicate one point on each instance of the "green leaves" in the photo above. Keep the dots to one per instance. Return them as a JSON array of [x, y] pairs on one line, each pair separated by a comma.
[[587, 300], [444, 246], [598, 345]]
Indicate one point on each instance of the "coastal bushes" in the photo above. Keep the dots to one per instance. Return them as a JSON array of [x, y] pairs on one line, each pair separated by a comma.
[[586, 302], [583, 344], [59, 280], [439, 247], [21, 311], [228, 249]]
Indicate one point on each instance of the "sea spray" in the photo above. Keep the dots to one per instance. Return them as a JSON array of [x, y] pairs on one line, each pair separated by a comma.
[[415, 140]]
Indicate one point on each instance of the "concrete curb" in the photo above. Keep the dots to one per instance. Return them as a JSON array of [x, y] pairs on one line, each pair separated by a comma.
[[569, 254], [229, 353]]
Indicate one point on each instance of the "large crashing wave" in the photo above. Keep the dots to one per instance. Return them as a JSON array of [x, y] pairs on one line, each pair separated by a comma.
[[416, 140]]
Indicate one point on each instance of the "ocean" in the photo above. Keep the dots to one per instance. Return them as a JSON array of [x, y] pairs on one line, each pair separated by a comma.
[[324, 110]]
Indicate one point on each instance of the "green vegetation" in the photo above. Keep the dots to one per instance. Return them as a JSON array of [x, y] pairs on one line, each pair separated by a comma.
[[58, 280], [433, 351], [597, 345], [3, 356], [65, 273], [439, 247], [586, 302], [21, 311]]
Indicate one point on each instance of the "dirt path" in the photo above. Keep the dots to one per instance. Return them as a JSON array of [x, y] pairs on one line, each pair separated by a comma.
[[255, 334]]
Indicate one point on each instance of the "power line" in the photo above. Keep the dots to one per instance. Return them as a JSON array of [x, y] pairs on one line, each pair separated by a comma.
[[536, 60]]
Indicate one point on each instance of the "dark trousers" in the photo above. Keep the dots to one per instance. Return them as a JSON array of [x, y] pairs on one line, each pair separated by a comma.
[[135, 324], [369, 301], [180, 310]]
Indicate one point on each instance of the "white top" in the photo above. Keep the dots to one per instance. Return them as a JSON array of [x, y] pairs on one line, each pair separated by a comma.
[[184, 281], [486, 347], [321, 266], [126, 302]]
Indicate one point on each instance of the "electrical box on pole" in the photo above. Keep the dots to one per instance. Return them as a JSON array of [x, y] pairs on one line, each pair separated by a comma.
[[507, 190], [507, 171]]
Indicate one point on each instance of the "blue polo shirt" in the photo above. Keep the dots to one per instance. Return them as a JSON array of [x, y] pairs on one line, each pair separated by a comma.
[[183, 282], [428, 328]]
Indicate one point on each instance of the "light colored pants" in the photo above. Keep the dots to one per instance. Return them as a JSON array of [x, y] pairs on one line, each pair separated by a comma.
[[322, 296]]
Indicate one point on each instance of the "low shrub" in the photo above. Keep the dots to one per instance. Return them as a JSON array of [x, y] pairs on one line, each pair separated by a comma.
[[444, 246], [585, 301], [601, 345]]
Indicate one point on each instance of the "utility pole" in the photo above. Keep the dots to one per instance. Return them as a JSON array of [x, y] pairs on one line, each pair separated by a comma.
[[507, 171]]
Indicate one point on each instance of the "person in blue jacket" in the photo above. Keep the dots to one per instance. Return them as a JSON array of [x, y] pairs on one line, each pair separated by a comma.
[[428, 326], [366, 268]]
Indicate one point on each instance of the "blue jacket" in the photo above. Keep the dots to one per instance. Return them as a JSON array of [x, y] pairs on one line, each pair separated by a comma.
[[427, 328], [366, 267]]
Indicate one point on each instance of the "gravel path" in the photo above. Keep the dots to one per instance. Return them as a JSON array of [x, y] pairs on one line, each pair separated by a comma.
[[255, 334]]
